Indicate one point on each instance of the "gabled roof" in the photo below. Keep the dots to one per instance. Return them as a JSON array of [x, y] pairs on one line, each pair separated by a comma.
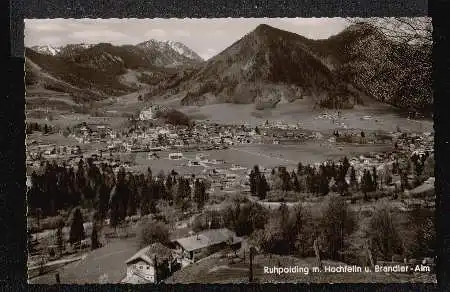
[[148, 254], [208, 238]]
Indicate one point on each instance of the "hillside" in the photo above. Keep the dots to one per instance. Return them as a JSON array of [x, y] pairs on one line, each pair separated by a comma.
[[268, 66], [109, 70], [103, 82], [36, 77], [389, 72], [265, 67], [169, 53]]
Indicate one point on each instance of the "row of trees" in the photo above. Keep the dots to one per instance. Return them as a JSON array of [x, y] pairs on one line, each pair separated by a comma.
[[121, 194], [309, 179], [35, 127], [332, 176], [292, 231]]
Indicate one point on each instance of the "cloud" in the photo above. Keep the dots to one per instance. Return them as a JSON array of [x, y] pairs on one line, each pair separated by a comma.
[[97, 36], [53, 40], [181, 33], [155, 33], [206, 36], [208, 54], [47, 27]]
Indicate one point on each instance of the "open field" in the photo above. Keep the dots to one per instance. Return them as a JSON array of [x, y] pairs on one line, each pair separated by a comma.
[[383, 117], [108, 260], [267, 155], [64, 120]]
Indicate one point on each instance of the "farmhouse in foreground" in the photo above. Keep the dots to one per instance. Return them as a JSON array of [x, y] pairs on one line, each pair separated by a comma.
[[197, 246], [141, 266]]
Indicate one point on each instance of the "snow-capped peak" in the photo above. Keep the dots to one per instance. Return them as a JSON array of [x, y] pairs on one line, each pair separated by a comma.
[[57, 50], [182, 49], [171, 47], [47, 49]]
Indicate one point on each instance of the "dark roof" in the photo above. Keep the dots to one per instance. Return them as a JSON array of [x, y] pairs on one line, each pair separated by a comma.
[[148, 254], [208, 238]]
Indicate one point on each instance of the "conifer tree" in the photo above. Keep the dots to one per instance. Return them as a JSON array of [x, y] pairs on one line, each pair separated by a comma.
[[262, 187], [76, 229], [374, 179]]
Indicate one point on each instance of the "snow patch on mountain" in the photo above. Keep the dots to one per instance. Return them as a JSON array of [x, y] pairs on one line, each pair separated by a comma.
[[182, 49], [47, 50], [174, 51]]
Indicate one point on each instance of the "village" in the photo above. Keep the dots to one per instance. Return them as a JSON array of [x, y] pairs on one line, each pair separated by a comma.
[[147, 142]]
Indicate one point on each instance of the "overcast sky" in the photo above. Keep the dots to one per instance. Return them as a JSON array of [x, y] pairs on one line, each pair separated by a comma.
[[206, 37]]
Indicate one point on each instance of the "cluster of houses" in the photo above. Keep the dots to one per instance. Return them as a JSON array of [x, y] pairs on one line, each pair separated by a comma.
[[156, 262], [36, 152]]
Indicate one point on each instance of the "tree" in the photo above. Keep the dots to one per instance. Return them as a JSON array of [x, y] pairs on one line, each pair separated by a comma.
[[254, 178], [60, 237], [257, 131], [322, 183], [245, 219], [428, 167], [337, 223], [94, 237], [183, 193], [262, 187], [200, 194], [116, 208], [299, 168], [76, 229], [374, 179], [302, 230], [345, 166], [199, 224], [422, 242], [295, 183], [154, 231], [285, 179], [366, 183], [383, 234], [169, 183], [353, 180], [215, 220]]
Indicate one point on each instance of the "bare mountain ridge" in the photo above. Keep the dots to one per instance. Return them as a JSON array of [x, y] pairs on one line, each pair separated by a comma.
[[164, 53], [397, 74], [265, 67], [99, 68], [172, 53], [270, 65]]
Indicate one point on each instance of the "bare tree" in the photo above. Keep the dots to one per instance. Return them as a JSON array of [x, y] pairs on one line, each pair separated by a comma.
[[405, 61], [402, 30]]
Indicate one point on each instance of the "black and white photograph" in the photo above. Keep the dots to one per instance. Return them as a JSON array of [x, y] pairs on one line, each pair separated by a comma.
[[230, 150]]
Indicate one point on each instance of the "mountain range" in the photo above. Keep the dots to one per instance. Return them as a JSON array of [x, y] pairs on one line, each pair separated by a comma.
[[265, 67]]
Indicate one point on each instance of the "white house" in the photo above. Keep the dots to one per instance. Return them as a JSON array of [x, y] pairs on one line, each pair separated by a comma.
[[176, 156], [141, 266], [146, 114]]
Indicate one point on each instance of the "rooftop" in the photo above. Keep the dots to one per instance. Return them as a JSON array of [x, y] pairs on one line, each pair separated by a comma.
[[208, 238], [148, 253]]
